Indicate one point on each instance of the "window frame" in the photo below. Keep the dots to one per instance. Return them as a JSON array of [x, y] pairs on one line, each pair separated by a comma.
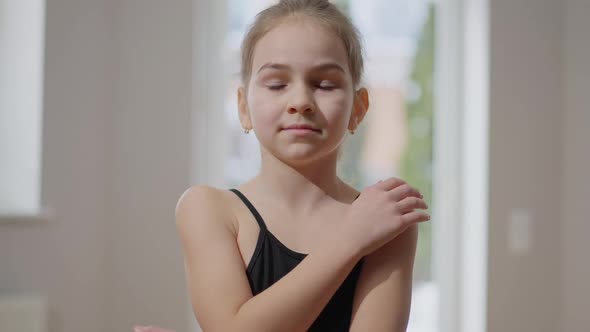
[[461, 164]]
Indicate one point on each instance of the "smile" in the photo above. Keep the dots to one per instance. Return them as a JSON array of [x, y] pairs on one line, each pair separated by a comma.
[[301, 131]]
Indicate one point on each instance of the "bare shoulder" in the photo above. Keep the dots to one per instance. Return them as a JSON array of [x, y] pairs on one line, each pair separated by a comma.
[[205, 204], [198, 195], [396, 255], [212, 260]]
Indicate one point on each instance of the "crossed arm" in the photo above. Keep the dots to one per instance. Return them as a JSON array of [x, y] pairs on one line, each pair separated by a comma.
[[222, 299], [384, 290]]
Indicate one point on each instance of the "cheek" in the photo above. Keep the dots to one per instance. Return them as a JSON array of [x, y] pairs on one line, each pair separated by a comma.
[[336, 108], [264, 111]]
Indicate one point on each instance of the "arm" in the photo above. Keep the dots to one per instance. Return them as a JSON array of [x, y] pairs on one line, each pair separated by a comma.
[[218, 286], [384, 290]]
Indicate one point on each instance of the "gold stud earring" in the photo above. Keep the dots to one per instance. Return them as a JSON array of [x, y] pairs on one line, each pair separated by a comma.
[[356, 122], [247, 131]]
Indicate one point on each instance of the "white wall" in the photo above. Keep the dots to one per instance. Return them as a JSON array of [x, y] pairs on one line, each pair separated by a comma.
[[150, 156], [116, 158], [576, 180], [540, 121], [65, 258], [526, 141]]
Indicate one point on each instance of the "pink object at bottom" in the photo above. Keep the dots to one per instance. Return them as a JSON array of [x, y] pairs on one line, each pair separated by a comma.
[[138, 328]]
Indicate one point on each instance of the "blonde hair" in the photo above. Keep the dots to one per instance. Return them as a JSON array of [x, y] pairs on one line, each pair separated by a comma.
[[324, 12]]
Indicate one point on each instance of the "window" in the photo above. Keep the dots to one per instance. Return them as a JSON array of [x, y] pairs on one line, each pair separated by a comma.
[[22, 25], [418, 55]]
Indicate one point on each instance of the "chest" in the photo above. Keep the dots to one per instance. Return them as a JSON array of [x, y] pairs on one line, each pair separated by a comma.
[[298, 233]]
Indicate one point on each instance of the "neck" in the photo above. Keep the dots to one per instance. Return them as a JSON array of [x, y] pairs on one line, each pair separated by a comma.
[[302, 186]]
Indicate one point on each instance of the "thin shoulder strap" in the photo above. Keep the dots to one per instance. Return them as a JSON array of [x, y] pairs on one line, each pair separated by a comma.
[[251, 208]]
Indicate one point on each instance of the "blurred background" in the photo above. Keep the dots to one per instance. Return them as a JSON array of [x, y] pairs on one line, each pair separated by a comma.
[[110, 109]]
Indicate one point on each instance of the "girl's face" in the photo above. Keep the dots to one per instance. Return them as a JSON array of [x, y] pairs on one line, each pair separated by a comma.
[[300, 76]]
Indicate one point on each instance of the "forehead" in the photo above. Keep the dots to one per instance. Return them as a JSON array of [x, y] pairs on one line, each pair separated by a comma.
[[299, 43]]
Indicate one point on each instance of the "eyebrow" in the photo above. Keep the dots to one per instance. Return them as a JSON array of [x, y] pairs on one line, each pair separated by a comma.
[[320, 67]]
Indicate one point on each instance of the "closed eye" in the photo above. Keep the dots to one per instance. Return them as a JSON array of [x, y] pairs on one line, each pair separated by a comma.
[[276, 87], [327, 87]]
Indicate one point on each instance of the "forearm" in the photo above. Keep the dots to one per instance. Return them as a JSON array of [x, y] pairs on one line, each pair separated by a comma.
[[296, 300]]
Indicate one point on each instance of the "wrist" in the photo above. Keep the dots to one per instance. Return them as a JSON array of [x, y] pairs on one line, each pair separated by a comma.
[[344, 250]]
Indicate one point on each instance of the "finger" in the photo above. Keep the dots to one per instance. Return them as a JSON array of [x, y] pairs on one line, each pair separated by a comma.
[[403, 191], [415, 217], [389, 183], [411, 203]]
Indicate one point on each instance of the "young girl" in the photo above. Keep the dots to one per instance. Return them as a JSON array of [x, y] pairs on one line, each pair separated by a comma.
[[295, 248]]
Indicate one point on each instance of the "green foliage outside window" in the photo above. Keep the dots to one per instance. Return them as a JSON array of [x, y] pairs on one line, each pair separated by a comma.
[[416, 167]]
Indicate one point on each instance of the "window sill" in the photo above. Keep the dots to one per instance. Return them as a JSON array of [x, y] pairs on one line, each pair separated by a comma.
[[41, 217]]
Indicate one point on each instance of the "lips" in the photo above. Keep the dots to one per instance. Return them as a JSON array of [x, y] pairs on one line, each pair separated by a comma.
[[302, 126]]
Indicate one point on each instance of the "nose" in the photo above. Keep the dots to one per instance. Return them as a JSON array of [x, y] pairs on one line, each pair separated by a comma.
[[301, 100]]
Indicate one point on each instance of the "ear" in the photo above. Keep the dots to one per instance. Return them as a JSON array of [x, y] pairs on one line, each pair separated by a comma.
[[360, 108], [243, 111]]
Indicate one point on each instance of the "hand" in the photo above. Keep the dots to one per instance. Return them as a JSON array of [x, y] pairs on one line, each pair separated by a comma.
[[382, 212]]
